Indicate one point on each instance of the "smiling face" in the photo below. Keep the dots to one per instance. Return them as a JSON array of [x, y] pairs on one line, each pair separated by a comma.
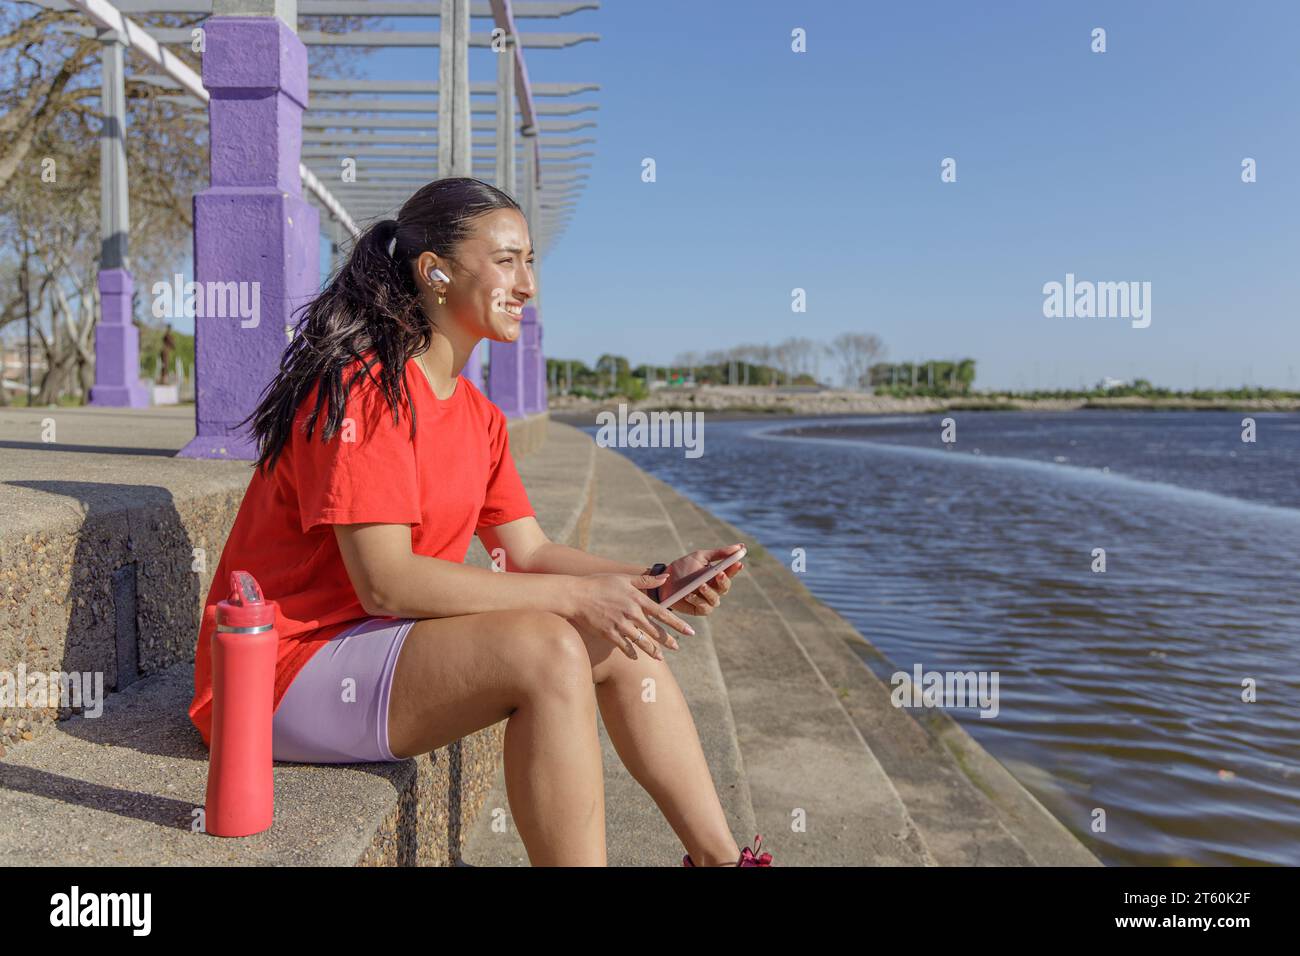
[[491, 277]]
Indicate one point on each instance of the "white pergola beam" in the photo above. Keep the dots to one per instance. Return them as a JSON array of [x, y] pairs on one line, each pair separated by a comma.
[[109, 17]]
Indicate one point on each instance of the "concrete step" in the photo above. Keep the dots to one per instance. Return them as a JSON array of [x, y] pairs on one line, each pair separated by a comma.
[[123, 788], [108, 543], [629, 525], [969, 809], [806, 759]]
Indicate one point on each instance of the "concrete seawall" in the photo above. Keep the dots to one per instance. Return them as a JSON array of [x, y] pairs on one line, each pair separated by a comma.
[[797, 729]]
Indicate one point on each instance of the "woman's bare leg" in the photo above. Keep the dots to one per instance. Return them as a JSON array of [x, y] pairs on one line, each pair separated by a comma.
[[456, 675], [660, 746]]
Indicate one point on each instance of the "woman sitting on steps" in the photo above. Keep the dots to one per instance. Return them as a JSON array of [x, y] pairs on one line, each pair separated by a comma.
[[378, 461]]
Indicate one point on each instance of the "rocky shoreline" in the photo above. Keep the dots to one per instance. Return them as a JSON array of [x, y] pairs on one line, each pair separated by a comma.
[[744, 402]]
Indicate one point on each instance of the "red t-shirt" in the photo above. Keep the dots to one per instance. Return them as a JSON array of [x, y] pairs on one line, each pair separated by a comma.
[[456, 476]]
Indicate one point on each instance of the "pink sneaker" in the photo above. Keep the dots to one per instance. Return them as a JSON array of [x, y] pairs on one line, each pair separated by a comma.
[[748, 857]]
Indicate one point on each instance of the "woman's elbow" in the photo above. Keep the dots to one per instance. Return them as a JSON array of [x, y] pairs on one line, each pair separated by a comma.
[[375, 558], [378, 601], [374, 605]]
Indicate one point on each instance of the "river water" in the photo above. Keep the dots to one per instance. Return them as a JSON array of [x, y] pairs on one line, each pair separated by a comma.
[[1119, 690]]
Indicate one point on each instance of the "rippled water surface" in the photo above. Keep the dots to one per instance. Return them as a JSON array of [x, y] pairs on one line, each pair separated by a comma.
[[1119, 690]]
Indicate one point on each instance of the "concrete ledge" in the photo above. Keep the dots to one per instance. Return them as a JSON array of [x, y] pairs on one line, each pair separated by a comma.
[[125, 788], [968, 808], [529, 433], [108, 544], [121, 788], [799, 748]]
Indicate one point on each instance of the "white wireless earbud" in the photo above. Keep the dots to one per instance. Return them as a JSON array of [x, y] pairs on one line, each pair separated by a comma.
[[435, 274]]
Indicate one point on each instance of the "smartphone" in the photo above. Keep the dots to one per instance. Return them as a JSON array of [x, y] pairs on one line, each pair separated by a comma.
[[702, 576]]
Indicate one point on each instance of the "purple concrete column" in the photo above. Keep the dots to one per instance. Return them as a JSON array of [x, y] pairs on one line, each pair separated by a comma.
[[473, 369], [117, 340], [529, 341], [254, 234], [117, 346], [506, 376]]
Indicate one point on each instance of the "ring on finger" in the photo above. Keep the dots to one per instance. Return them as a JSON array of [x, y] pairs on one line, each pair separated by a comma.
[[649, 647]]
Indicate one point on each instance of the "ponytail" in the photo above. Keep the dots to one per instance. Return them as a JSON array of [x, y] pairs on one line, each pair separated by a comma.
[[371, 305]]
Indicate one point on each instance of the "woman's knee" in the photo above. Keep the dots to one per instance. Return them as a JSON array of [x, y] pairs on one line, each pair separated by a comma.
[[553, 653]]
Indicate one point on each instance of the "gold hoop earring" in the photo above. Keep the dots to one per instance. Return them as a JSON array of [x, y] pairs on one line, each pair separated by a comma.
[[442, 299]]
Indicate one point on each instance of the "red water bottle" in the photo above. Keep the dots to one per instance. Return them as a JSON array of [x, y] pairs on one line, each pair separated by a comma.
[[241, 791]]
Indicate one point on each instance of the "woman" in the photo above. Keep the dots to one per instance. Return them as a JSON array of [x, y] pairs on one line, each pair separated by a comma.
[[377, 463]]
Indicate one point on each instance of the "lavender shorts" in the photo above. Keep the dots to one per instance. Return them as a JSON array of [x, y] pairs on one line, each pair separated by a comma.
[[321, 718]]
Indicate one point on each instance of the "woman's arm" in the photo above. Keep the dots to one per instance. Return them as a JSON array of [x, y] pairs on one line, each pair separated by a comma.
[[527, 548], [390, 580], [553, 558]]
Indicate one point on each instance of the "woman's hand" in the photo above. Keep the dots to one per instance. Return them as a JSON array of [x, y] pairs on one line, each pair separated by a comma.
[[707, 596], [612, 606]]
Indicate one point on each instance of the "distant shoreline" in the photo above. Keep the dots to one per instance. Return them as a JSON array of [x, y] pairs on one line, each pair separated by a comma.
[[729, 402]]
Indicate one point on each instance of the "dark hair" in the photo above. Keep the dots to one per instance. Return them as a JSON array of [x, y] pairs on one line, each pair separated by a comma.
[[371, 303]]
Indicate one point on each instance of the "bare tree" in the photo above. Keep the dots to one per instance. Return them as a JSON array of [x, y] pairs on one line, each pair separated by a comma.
[[50, 90], [856, 352], [45, 78], [801, 352], [746, 354]]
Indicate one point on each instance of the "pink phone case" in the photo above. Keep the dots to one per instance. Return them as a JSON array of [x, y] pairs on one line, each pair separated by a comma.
[[702, 577]]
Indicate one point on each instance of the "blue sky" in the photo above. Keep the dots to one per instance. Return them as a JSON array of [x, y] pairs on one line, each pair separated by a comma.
[[821, 171]]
